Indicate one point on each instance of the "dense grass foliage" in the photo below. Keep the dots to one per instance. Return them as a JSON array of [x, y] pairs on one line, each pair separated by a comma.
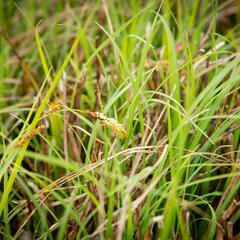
[[119, 119]]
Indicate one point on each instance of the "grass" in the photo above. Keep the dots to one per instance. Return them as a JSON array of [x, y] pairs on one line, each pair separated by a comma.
[[119, 120]]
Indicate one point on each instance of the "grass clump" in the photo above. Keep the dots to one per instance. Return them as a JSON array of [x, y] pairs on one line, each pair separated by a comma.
[[119, 120]]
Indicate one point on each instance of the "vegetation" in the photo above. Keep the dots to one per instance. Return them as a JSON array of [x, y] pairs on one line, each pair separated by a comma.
[[119, 119]]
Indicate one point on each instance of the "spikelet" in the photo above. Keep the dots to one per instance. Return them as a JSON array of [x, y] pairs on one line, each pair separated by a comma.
[[30, 135], [54, 106], [117, 127]]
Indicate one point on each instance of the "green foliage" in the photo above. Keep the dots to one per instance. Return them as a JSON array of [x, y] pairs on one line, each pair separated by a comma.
[[119, 119]]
